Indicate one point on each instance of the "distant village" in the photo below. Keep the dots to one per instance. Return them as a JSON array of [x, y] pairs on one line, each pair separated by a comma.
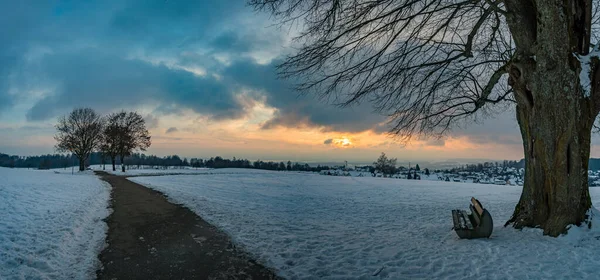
[[509, 173], [491, 175]]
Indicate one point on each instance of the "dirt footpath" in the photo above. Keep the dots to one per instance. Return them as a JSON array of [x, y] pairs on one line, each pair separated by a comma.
[[151, 238]]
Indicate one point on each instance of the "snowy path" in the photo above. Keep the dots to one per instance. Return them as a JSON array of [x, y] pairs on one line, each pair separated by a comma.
[[310, 226], [151, 238], [51, 224]]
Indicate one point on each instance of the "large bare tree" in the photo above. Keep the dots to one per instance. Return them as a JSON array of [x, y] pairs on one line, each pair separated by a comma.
[[430, 64], [79, 133], [124, 133]]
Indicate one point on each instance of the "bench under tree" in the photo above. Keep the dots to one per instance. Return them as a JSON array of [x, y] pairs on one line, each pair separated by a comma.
[[478, 224]]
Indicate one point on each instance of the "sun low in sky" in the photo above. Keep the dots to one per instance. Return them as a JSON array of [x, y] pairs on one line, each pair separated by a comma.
[[343, 142], [203, 75]]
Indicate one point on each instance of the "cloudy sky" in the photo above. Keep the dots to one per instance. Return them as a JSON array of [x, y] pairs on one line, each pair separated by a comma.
[[202, 73]]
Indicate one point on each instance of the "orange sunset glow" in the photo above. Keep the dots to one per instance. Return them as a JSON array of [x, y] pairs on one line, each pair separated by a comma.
[[209, 96]]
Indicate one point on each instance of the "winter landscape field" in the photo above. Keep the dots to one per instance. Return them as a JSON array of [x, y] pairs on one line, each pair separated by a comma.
[[308, 226], [302, 225], [151, 171], [299, 139], [51, 224]]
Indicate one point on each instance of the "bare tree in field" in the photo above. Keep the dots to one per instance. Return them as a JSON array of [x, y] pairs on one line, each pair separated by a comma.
[[124, 133], [110, 137], [385, 165], [79, 133], [431, 64]]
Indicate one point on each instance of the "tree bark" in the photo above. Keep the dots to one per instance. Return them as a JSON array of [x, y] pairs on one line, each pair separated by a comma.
[[554, 115], [113, 160], [557, 148], [81, 164], [122, 164]]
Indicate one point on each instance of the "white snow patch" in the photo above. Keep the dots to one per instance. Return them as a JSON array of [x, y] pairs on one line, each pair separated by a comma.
[[587, 232], [174, 170], [51, 224], [324, 227], [585, 73]]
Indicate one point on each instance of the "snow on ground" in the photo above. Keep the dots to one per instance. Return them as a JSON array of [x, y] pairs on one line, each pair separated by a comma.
[[147, 172], [174, 170], [51, 224], [312, 226], [171, 170]]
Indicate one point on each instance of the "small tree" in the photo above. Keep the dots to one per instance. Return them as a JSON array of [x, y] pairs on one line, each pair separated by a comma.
[[385, 165], [125, 132], [417, 168], [133, 135], [110, 137], [79, 133], [427, 171]]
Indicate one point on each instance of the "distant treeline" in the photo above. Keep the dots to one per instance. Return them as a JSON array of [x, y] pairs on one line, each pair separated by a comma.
[[219, 162], [139, 160], [40, 162], [64, 161]]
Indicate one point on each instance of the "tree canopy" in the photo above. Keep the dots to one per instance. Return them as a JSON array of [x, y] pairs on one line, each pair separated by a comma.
[[79, 133], [125, 132], [385, 165]]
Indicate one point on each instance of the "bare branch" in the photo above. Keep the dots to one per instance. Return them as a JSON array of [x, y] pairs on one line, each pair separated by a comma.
[[424, 63], [79, 133]]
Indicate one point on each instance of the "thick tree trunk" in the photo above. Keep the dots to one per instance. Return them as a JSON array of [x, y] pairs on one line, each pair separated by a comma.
[[113, 161], [554, 112], [557, 148], [81, 164], [122, 164]]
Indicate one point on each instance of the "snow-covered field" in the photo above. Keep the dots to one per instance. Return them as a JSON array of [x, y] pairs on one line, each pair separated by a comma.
[[173, 170], [51, 224], [149, 171], [314, 227]]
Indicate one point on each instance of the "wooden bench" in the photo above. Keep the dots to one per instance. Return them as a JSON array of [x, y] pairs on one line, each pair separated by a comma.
[[478, 224]]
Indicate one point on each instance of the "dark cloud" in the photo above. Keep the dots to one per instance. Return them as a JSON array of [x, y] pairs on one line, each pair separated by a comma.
[[295, 110], [328, 141], [124, 53], [108, 82], [18, 19], [231, 41], [160, 24], [501, 128], [104, 54], [91, 48], [237, 42], [171, 130]]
